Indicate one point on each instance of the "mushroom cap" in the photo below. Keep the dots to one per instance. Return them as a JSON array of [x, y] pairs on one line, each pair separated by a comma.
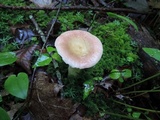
[[80, 49]]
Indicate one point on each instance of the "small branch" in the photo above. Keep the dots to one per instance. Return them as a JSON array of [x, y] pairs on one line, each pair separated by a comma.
[[38, 28], [69, 8]]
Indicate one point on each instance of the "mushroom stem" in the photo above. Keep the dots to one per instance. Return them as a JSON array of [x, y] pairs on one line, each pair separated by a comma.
[[73, 71]]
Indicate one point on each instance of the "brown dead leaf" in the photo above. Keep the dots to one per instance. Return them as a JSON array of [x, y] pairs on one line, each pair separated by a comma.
[[44, 86], [14, 109], [51, 108], [25, 56], [17, 26], [45, 104]]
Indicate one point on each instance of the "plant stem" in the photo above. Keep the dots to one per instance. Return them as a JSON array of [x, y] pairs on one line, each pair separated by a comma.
[[73, 71], [143, 91], [137, 83], [122, 116], [138, 108]]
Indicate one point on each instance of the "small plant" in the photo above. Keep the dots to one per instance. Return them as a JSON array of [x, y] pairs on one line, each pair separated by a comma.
[[46, 58], [17, 85], [89, 86], [120, 75], [134, 114]]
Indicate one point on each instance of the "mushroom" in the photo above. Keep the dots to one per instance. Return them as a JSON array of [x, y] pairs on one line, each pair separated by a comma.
[[79, 49]]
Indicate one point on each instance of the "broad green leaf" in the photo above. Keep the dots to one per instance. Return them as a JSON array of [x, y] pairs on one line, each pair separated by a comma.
[[3, 114], [136, 115], [7, 58], [43, 60], [88, 87], [57, 57], [153, 52], [17, 85], [110, 14], [126, 73], [115, 74], [50, 49]]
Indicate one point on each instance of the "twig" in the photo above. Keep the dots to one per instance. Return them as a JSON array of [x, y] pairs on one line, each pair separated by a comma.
[[45, 39], [38, 28], [58, 74], [52, 25], [71, 8]]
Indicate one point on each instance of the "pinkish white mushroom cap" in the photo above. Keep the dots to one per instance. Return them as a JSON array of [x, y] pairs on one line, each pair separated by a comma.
[[79, 49]]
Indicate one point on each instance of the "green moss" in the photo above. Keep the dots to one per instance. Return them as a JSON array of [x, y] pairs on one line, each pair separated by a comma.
[[42, 18], [116, 45], [13, 2], [69, 19]]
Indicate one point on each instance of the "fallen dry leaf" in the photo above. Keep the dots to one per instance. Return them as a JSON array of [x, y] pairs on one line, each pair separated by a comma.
[[14, 109], [44, 86], [17, 26], [25, 56]]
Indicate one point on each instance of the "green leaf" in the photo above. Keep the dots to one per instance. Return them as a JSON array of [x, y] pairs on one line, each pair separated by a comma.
[[123, 18], [97, 78], [3, 114], [43, 60], [126, 73], [115, 74], [57, 57], [54, 55], [153, 52], [50, 49], [136, 115], [7, 58], [88, 87], [129, 109], [17, 85], [121, 80], [130, 59]]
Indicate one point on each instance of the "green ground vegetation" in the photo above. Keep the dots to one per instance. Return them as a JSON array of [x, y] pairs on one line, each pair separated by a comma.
[[119, 50]]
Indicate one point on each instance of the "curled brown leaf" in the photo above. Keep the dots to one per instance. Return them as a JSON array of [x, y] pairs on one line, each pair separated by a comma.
[[25, 56]]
